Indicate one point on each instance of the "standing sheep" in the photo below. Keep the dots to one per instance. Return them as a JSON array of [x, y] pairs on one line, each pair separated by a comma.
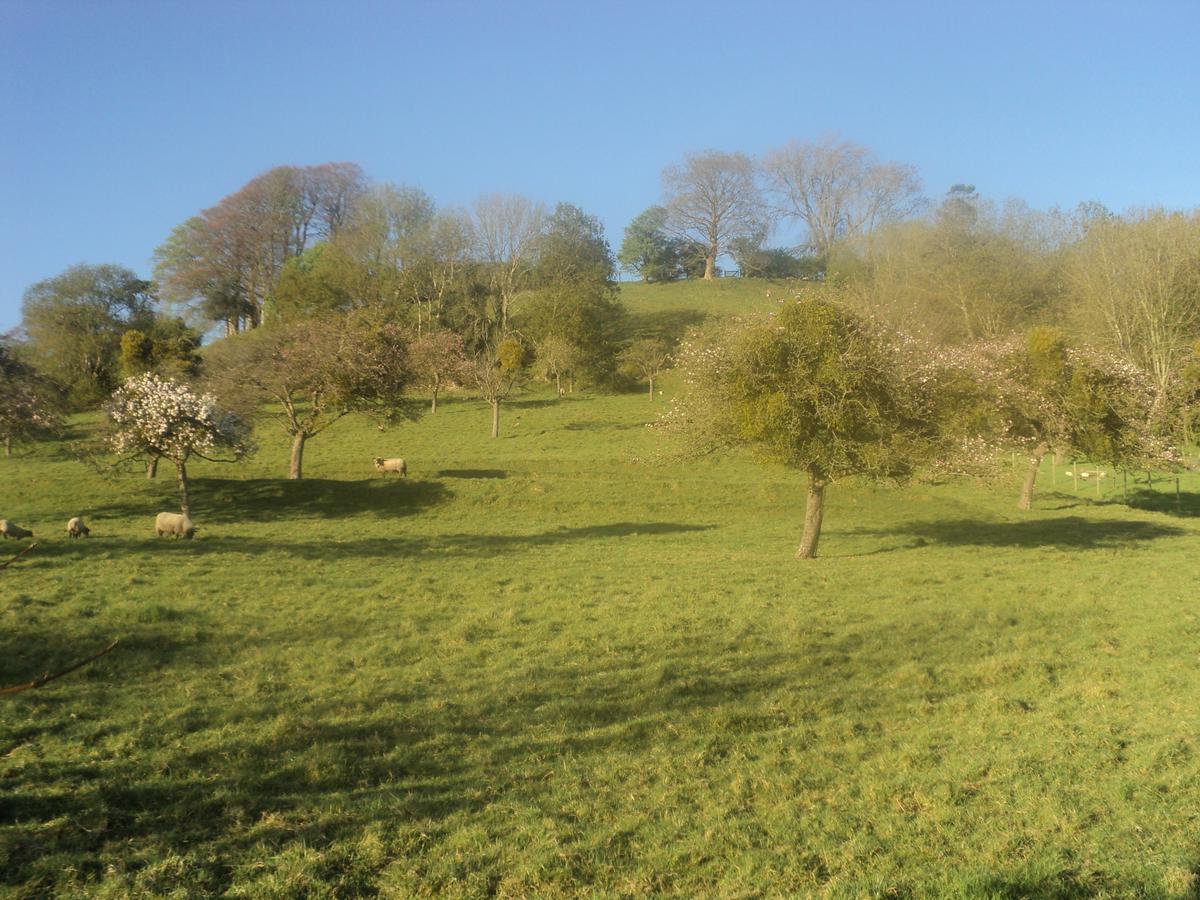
[[391, 465], [13, 530], [175, 524], [75, 527]]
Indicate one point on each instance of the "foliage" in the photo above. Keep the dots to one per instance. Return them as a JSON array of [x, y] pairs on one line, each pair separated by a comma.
[[572, 250], [557, 358], [1135, 288], [755, 261], [312, 373], [815, 388], [166, 346], [321, 281], [437, 358], [227, 260], [646, 359], [74, 322], [653, 254], [29, 404]]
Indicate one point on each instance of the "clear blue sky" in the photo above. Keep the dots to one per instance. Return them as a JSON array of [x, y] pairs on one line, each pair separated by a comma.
[[120, 119]]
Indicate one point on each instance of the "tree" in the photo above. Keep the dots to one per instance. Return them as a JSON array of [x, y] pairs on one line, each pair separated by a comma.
[[28, 403], [508, 227], [646, 358], [436, 357], [574, 297], [229, 257], [496, 372], [838, 189], [312, 373], [157, 417], [755, 261], [649, 251], [557, 357], [963, 274], [1038, 393], [814, 388], [166, 346], [1135, 287], [74, 322], [712, 198]]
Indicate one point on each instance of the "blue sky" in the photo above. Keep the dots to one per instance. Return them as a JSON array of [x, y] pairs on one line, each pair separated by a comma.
[[119, 120]]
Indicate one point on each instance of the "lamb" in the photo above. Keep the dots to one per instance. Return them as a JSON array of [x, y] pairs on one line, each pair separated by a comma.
[[13, 530], [176, 524], [75, 527], [391, 465]]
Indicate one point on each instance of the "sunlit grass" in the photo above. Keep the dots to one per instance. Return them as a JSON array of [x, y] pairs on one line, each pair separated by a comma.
[[545, 665]]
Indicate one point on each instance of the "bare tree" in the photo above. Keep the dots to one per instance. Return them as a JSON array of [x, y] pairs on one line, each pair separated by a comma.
[[646, 358], [838, 189], [1136, 286], [712, 198], [507, 230]]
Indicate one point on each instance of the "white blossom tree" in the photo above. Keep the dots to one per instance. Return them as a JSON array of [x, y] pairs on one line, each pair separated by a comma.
[[161, 418]]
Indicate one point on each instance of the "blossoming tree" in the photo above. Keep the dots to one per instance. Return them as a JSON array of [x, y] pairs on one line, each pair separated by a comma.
[[161, 418], [27, 404]]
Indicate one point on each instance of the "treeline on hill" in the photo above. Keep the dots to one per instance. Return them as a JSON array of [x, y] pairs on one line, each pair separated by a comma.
[[1007, 327]]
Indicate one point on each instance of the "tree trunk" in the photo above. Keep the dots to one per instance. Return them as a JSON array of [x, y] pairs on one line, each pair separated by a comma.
[[710, 265], [496, 418], [185, 502], [651, 387], [814, 510], [558, 384], [152, 468], [437, 383], [296, 472], [1035, 462], [8, 445]]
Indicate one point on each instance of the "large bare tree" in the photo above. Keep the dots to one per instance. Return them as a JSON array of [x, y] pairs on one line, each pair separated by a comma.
[[1135, 284], [508, 227], [713, 198], [838, 189]]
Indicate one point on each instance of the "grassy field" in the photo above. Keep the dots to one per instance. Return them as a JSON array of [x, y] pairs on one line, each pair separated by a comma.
[[547, 665]]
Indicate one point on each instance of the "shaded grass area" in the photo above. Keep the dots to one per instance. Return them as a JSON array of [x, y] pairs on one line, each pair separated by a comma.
[[544, 667]]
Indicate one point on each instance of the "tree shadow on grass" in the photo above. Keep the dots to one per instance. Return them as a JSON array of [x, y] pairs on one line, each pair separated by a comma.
[[330, 772], [1070, 532], [1186, 504], [668, 325], [224, 501], [217, 541]]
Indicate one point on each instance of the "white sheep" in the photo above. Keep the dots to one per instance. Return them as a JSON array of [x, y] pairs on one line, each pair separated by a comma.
[[391, 465], [13, 530], [176, 524], [76, 528]]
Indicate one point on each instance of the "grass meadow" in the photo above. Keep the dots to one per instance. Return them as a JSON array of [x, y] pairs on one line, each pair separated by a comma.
[[550, 665]]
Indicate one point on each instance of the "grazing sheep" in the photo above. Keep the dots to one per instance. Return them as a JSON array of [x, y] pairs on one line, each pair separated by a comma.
[[75, 527], [13, 530], [176, 524], [391, 465]]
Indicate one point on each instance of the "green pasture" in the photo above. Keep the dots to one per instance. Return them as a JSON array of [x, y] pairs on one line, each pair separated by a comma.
[[553, 665]]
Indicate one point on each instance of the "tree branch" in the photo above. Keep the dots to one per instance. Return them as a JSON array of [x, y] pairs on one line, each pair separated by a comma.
[[47, 678], [18, 556]]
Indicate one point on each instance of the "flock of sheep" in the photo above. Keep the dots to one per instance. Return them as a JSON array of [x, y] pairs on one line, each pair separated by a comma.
[[177, 525]]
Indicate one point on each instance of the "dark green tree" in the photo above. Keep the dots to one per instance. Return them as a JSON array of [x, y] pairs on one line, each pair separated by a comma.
[[74, 322]]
